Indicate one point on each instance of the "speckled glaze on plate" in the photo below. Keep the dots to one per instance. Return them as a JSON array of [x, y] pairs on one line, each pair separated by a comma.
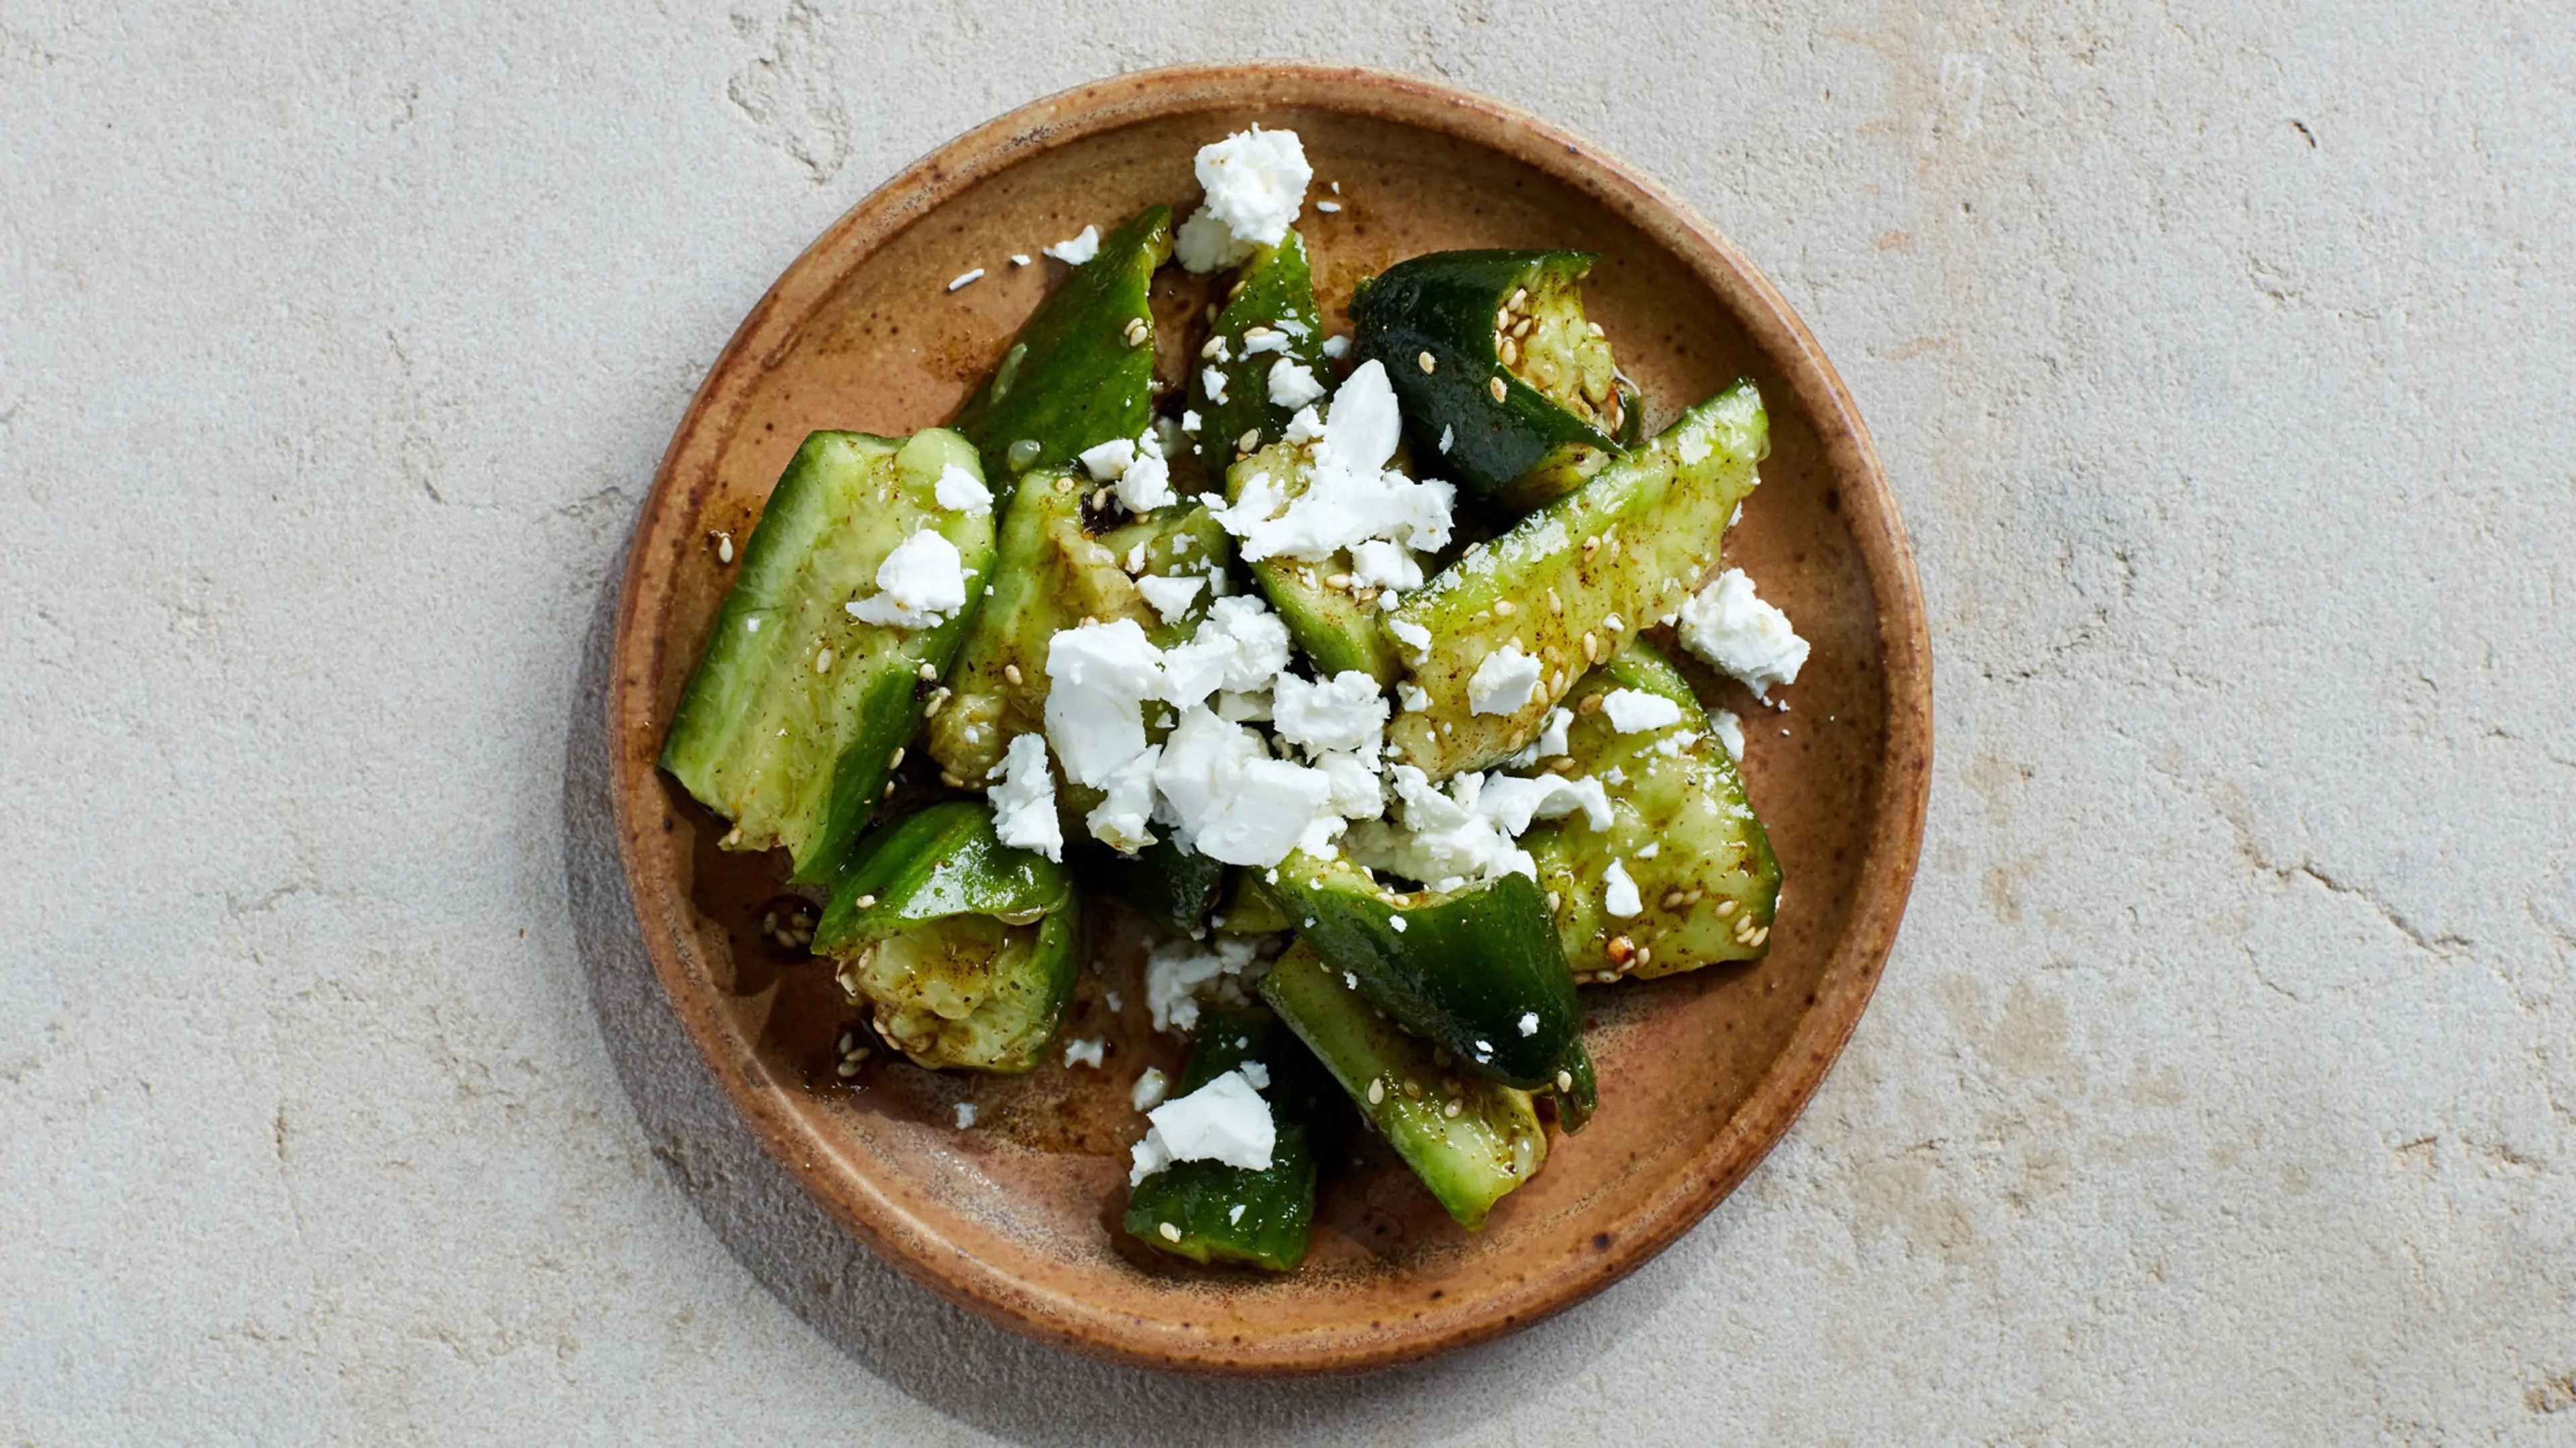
[[1700, 1074]]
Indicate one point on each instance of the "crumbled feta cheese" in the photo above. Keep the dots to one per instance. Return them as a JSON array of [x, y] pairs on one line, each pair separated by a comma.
[[1730, 731], [961, 491], [1179, 972], [1170, 596], [1305, 425], [1255, 182], [1350, 495], [1448, 435], [1099, 674], [1267, 814], [1343, 712], [919, 584], [965, 1114], [1444, 840], [1234, 1214], [1148, 1091], [1024, 802], [1337, 348], [1082, 1053], [1263, 339], [1146, 485], [1224, 1121], [1412, 635], [1190, 420], [1213, 378], [1529, 1023], [964, 278], [1256, 1073], [1292, 385], [1504, 682], [1119, 820], [1240, 645], [1732, 629], [1551, 740], [1108, 461], [1512, 801], [1414, 697], [1634, 711], [1619, 893], [1019, 258], [1379, 563], [1651, 849], [1075, 250], [1147, 1157], [1398, 924], [1352, 777]]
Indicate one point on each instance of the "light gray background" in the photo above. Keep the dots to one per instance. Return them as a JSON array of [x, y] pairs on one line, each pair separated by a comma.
[[2223, 1084]]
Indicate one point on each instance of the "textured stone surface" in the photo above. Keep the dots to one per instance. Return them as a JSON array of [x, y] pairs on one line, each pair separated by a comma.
[[2223, 1084]]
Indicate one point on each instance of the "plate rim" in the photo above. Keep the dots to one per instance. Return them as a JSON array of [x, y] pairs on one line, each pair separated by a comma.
[[1882, 886]]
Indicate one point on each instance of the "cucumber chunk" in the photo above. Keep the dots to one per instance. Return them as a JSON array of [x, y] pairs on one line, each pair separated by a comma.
[[790, 724], [1710, 886], [963, 949], [1570, 584], [1469, 1160], [1213, 1213]]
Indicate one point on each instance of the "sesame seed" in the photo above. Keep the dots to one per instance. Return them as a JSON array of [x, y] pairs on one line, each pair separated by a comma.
[[1062, 485], [1508, 353], [930, 675], [823, 661], [1100, 498], [1377, 1093], [1564, 1080], [1170, 1232], [1562, 764], [1761, 935], [1591, 649], [1413, 1090], [866, 902], [1645, 956], [1692, 895], [938, 701], [1595, 329], [965, 278], [724, 547], [1555, 605], [1591, 704], [951, 780], [1672, 899], [1591, 545], [1520, 299], [1328, 207], [895, 760], [888, 791], [1012, 673], [1505, 608], [1137, 331], [1450, 1110], [1250, 441], [1521, 327], [1427, 362], [1554, 900], [1502, 319], [1725, 908], [846, 1070], [1496, 386], [732, 837], [1337, 580]]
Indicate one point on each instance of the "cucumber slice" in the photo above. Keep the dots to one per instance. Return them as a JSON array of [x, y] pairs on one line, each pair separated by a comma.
[[1711, 885], [1572, 583], [1469, 1160], [964, 949], [1081, 369], [1210, 1212], [1275, 294], [1336, 626], [1522, 400], [790, 724]]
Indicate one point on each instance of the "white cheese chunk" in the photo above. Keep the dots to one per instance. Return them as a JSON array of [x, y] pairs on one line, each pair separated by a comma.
[[961, 491], [1634, 711], [1119, 820], [1099, 676], [1343, 712], [1619, 893], [1075, 250], [1213, 378], [919, 584], [1255, 182], [1337, 348], [1504, 682], [1256, 1073], [1180, 973], [1170, 596], [1529, 1023], [1240, 645], [1148, 1091], [1412, 635], [1730, 731], [1351, 495], [1107, 461], [965, 1114], [1379, 563], [1083, 1052], [1267, 813], [1733, 630], [1512, 801], [1292, 385], [1024, 802], [1223, 1121]]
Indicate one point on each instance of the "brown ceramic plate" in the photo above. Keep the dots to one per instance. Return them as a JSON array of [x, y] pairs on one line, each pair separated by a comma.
[[1700, 1074]]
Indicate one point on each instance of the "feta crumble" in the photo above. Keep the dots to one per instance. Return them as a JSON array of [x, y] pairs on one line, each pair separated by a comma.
[[961, 491], [1504, 682], [1255, 182], [1292, 385], [1099, 676], [1338, 347], [1256, 1073], [1412, 635], [1119, 820], [965, 1114], [1170, 596], [1619, 892], [1082, 1053], [1224, 1121], [919, 584], [1634, 711], [1149, 1088], [1351, 495], [1075, 250], [1730, 731], [1529, 1023], [1733, 630], [1024, 802], [1213, 379], [1179, 972], [1344, 712]]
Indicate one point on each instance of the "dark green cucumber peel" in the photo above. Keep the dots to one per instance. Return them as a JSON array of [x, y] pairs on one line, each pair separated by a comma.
[[1562, 409], [1232, 1214], [794, 756], [1336, 627], [1275, 288], [965, 949], [1461, 968], [1175, 888], [1600, 564], [1469, 1160], [1712, 885], [1076, 375]]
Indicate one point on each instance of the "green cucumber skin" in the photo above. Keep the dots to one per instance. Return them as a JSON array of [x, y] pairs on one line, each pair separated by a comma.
[[844, 501], [944, 862], [1070, 379], [1663, 513], [1469, 1161], [1690, 805], [1443, 303], [1275, 287], [1463, 971], [1175, 888], [1198, 1197]]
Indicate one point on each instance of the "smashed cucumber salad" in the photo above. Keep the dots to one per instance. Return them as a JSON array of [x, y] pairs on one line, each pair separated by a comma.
[[1328, 657]]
